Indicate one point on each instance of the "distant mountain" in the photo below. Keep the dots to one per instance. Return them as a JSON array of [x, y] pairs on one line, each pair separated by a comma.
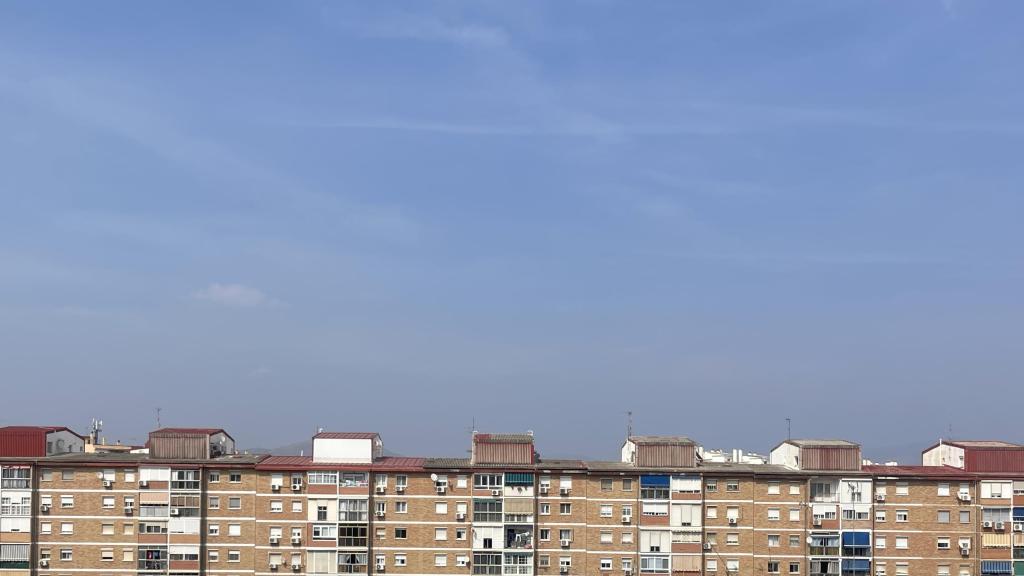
[[294, 449]]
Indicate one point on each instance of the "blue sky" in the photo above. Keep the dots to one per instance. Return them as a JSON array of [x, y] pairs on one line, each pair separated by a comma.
[[407, 216]]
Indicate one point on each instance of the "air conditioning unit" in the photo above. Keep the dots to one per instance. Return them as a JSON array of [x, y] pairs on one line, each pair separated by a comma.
[[461, 563], [379, 489], [564, 490], [275, 487], [565, 542], [400, 488], [733, 520], [986, 524], [107, 483], [143, 483], [816, 522], [496, 492], [627, 518], [544, 488], [296, 567], [44, 563], [379, 514], [273, 566], [442, 489], [627, 573], [1018, 526], [460, 515], [129, 510], [296, 486], [707, 545], [563, 569], [175, 512], [963, 496], [380, 568], [274, 540], [44, 508], [1000, 525], [965, 549], [296, 539], [879, 497]]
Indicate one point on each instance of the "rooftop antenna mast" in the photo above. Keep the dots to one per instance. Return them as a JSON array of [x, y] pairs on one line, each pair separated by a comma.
[[629, 423], [158, 418], [789, 428]]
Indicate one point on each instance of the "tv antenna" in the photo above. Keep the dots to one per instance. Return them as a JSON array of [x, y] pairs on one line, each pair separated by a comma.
[[789, 428], [158, 418]]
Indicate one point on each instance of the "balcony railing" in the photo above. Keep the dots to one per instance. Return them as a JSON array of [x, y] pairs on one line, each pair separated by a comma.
[[15, 483], [519, 569]]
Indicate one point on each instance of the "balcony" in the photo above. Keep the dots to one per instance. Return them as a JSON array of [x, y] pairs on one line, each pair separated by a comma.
[[519, 539]]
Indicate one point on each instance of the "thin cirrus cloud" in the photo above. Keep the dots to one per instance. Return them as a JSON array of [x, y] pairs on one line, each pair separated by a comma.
[[235, 296]]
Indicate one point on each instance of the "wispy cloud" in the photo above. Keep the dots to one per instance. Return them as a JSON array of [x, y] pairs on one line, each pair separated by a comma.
[[428, 28], [235, 296]]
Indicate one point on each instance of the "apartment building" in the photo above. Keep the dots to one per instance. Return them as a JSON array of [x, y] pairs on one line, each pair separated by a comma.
[[189, 504]]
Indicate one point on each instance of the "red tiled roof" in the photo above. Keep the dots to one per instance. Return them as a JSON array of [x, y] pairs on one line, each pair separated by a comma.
[[188, 431], [347, 435], [913, 470]]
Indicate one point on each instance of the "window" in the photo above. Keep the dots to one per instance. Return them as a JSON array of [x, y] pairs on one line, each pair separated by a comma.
[[902, 516], [401, 533], [942, 543], [441, 507], [545, 509], [322, 477], [276, 506], [440, 559], [46, 475], [711, 565], [353, 536], [773, 513], [902, 489], [773, 566], [234, 529], [401, 481], [234, 503], [565, 534], [794, 489], [794, 514], [214, 502], [732, 486], [943, 517], [234, 556], [606, 510], [943, 489], [627, 484], [353, 510], [545, 534], [67, 501], [127, 555], [67, 528], [400, 560], [65, 554], [902, 542], [605, 563], [487, 481], [67, 475], [565, 508], [235, 477], [440, 533], [544, 561], [296, 505], [773, 540], [45, 527], [773, 488], [880, 542], [214, 476], [732, 565], [401, 507], [460, 533], [107, 554], [460, 482], [711, 486], [794, 540], [627, 537], [108, 501], [965, 516], [606, 486], [794, 567], [325, 531], [879, 515], [107, 529], [128, 529], [712, 512], [606, 537], [732, 539]]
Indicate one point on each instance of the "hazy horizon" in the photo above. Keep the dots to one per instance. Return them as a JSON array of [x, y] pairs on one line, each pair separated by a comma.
[[408, 218]]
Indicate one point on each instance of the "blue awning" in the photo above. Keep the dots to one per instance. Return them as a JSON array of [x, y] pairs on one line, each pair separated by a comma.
[[856, 539], [518, 479], [857, 565], [996, 567], [1018, 514], [654, 481]]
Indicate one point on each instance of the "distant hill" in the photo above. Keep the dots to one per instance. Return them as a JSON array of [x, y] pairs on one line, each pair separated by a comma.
[[295, 448]]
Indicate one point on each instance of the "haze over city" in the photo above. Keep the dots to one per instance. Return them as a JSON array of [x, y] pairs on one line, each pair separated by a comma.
[[411, 218]]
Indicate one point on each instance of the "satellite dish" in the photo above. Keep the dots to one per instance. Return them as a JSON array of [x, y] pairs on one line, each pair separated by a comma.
[[809, 540], [433, 477]]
